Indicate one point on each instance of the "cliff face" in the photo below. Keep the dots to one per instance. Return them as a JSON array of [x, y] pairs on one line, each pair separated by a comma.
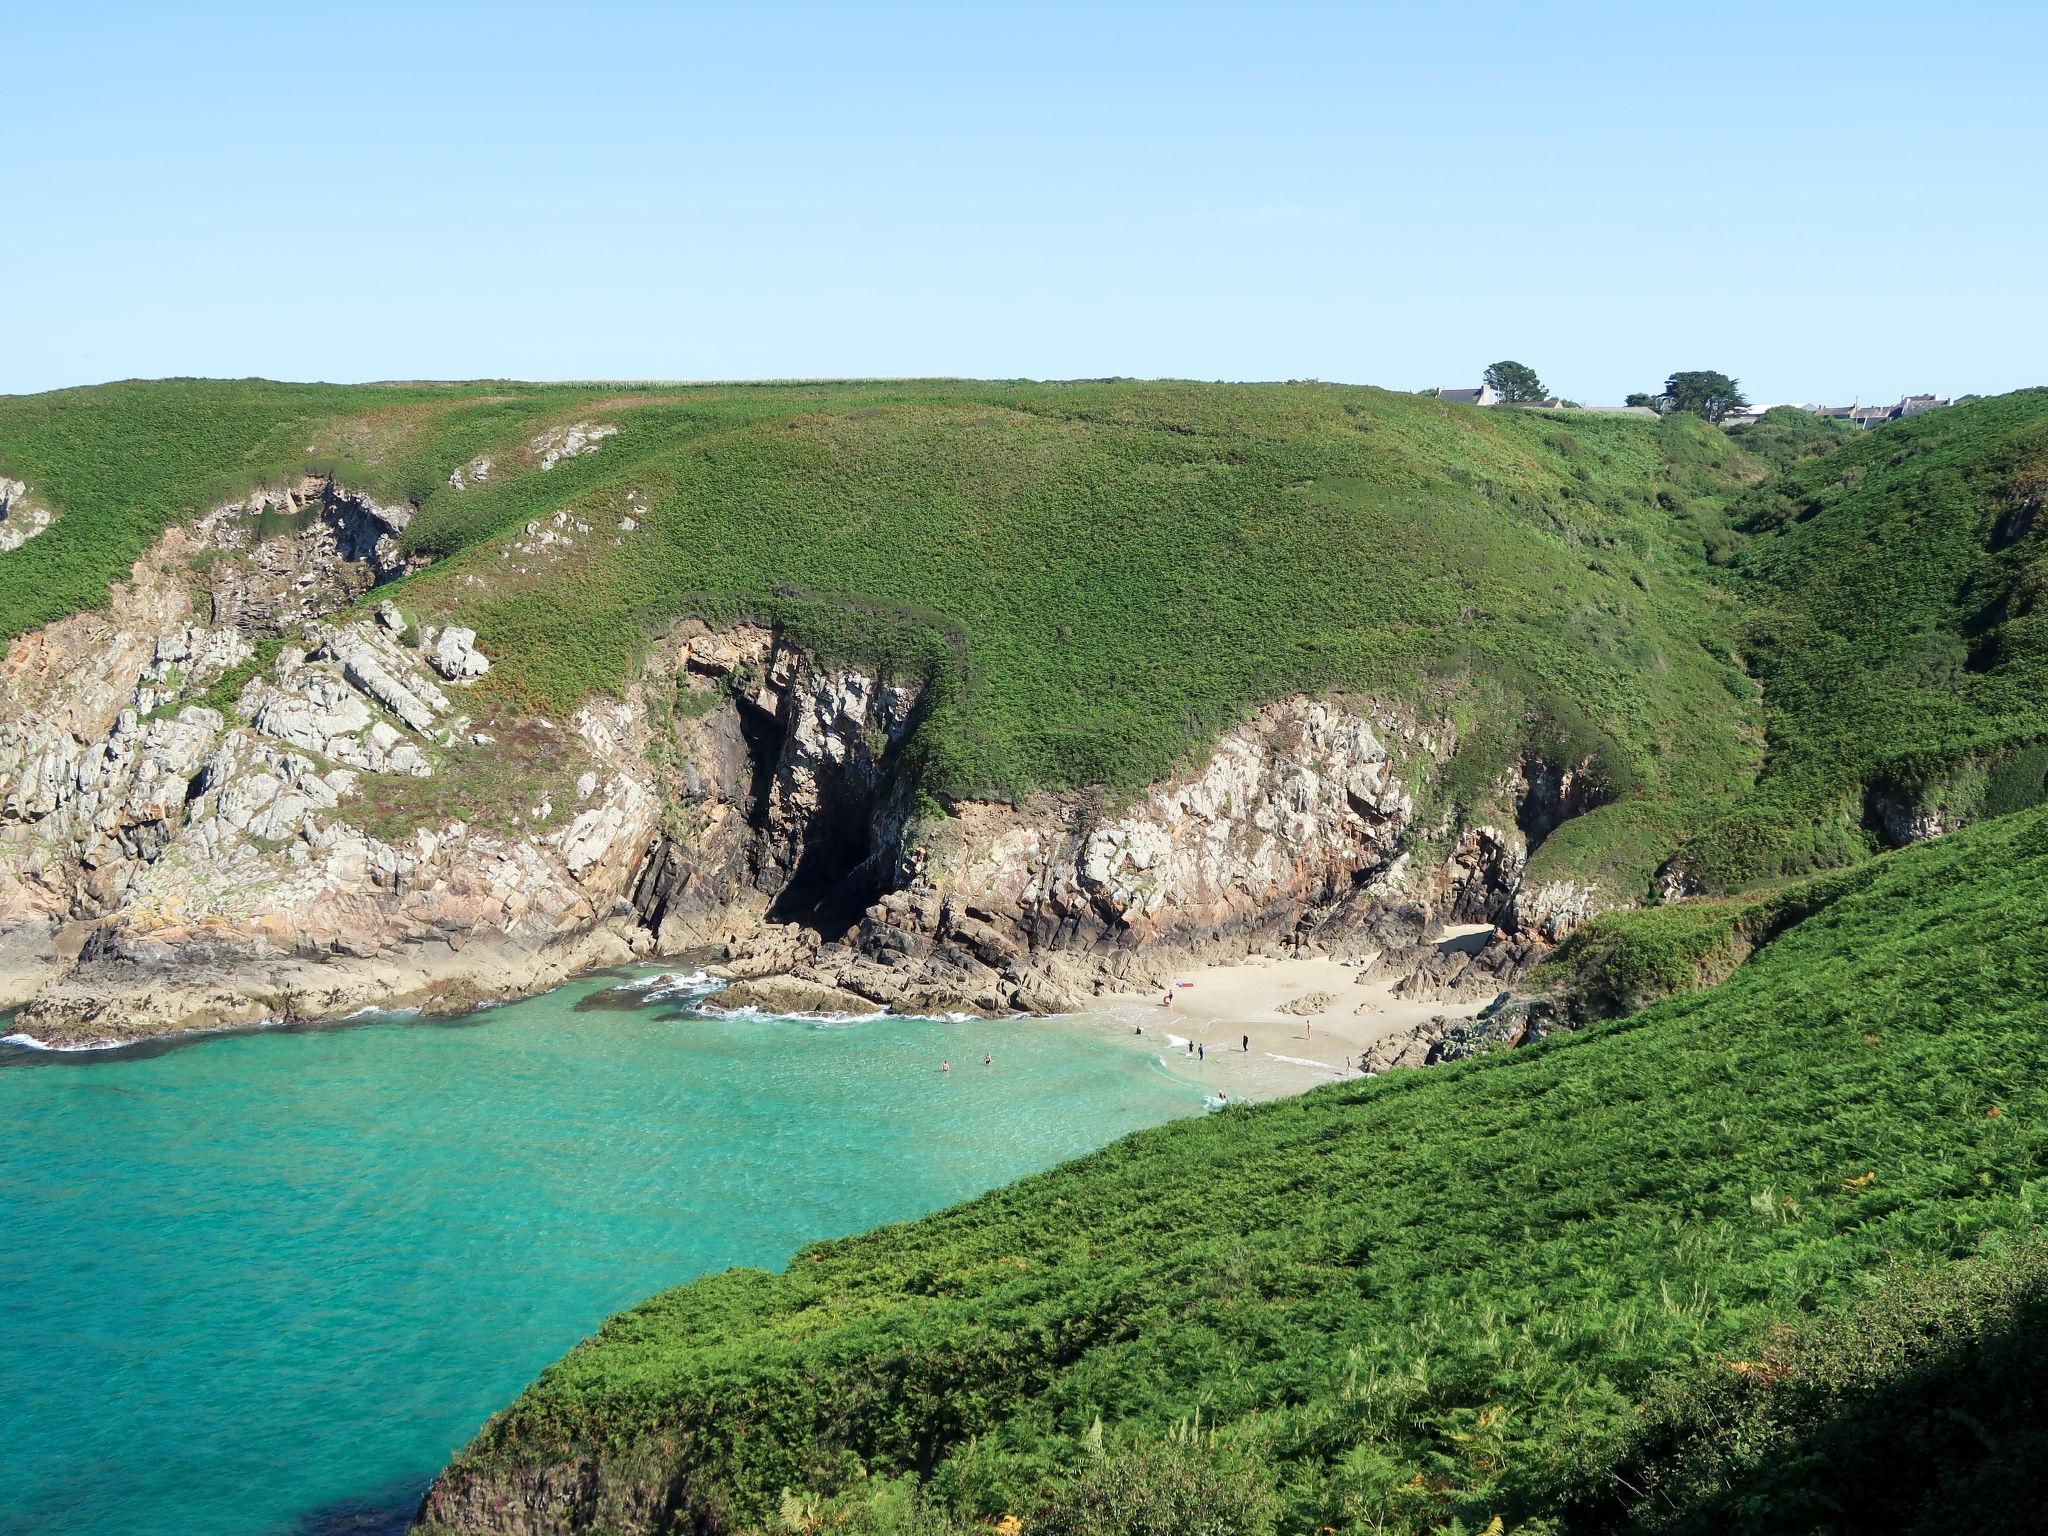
[[168, 863], [237, 798]]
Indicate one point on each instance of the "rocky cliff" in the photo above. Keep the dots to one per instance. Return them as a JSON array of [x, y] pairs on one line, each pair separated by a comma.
[[251, 791]]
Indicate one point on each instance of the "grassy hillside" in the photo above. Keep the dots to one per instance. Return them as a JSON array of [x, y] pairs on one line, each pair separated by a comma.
[[1894, 584], [1096, 577], [1443, 1296]]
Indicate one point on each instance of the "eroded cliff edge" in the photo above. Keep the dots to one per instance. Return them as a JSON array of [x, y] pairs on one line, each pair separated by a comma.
[[252, 792]]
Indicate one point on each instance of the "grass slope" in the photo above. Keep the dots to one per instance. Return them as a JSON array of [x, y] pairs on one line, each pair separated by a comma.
[[1894, 583], [1096, 577], [1408, 1305]]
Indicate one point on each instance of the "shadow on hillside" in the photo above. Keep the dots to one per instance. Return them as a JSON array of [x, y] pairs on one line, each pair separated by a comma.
[[1954, 1441]]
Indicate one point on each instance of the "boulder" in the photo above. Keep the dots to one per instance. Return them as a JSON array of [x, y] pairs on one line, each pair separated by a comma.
[[455, 656], [791, 995]]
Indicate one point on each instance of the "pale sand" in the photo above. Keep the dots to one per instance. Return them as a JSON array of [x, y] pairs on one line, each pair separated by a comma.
[[1288, 1053]]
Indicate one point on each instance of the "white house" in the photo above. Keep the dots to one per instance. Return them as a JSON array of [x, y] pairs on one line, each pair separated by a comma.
[[1483, 395]]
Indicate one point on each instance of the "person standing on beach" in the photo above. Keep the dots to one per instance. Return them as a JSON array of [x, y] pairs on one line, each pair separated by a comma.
[[1246, 1047], [1201, 1053]]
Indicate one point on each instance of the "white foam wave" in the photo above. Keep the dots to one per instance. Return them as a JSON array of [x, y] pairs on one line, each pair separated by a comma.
[[755, 1011], [668, 981], [35, 1044], [44, 1045]]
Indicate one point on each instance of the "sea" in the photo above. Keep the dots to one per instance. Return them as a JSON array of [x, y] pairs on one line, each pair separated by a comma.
[[265, 1283]]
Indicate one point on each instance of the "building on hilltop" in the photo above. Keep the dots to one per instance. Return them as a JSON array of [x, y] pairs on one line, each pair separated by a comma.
[[1742, 416], [1483, 395], [1873, 415], [1856, 415], [1750, 415]]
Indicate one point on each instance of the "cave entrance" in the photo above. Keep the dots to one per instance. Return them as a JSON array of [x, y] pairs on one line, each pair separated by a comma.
[[836, 877], [823, 874]]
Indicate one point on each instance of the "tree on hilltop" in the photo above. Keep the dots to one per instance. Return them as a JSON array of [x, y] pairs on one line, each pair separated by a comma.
[[1704, 393], [1514, 382]]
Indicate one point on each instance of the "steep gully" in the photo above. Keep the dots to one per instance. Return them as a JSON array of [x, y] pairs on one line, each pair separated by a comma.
[[167, 865]]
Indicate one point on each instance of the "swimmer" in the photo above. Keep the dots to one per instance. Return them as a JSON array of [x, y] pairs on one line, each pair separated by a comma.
[[945, 1066], [990, 1059]]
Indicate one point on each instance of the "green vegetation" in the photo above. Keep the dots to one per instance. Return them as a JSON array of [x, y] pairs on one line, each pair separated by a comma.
[[1785, 434], [1894, 586], [1700, 392], [1921, 1409], [1701, 1266], [1626, 959], [522, 779], [1094, 578], [1514, 381], [1477, 1291], [226, 689]]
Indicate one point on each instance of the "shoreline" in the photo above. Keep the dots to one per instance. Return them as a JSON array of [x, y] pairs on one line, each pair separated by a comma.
[[1231, 1028], [1242, 1014]]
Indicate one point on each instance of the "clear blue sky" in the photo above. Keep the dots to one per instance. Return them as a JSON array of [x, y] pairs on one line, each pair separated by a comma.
[[1848, 203]]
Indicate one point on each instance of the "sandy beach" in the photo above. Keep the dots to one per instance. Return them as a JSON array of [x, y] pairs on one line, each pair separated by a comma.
[[1217, 1008]]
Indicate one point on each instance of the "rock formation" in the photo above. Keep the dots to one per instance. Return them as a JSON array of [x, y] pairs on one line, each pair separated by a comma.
[[203, 820], [21, 517]]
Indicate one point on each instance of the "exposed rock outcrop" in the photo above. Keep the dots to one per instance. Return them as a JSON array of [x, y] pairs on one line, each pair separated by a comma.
[[272, 561], [1508, 1023], [165, 864], [558, 443], [22, 517]]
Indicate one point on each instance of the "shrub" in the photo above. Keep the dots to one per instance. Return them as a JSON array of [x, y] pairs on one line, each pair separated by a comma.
[[1182, 1484]]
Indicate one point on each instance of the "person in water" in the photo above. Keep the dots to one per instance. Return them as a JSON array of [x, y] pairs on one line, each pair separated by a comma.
[[945, 1066], [989, 1060], [1201, 1053]]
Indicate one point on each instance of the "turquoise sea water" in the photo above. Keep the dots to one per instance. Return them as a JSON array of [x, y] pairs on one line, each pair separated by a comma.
[[266, 1283]]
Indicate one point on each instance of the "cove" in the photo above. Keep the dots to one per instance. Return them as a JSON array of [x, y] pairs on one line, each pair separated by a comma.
[[267, 1283]]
